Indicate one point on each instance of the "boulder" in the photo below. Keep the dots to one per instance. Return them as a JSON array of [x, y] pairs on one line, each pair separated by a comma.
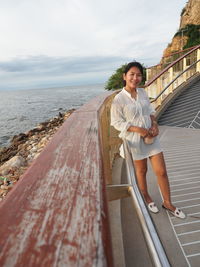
[[14, 162]]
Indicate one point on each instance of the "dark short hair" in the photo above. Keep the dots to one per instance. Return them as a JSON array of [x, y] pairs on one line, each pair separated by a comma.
[[130, 65], [134, 64]]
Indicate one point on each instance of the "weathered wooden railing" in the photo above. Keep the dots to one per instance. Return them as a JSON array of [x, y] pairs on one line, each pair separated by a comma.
[[109, 137], [173, 76], [57, 215]]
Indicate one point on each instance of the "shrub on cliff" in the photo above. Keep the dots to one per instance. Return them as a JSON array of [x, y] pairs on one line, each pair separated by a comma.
[[192, 32]]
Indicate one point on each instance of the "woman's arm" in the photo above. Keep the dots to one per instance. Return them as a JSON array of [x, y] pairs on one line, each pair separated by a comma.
[[142, 131], [154, 131]]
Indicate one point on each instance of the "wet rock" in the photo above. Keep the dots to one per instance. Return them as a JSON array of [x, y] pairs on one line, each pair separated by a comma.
[[8, 153], [20, 137]]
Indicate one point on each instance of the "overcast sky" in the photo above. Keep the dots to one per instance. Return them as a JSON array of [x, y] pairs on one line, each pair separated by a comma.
[[50, 43]]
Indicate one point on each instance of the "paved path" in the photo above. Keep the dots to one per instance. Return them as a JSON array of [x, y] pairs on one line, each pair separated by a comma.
[[182, 155], [180, 238]]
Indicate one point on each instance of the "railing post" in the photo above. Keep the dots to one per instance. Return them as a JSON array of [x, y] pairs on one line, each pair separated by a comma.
[[171, 76], [158, 89], [198, 64], [148, 74], [106, 147], [184, 68]]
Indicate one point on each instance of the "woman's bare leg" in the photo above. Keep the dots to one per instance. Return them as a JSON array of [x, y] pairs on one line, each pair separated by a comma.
[[159, 167], [141, 170]]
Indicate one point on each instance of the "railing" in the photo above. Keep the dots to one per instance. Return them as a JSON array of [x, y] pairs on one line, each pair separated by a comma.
[[173, 76], [165, 61], [109, 137], [168, 59], [56, 215]]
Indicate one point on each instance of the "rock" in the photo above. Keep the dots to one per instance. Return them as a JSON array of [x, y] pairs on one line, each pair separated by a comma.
[[36, 155], [9, 153], [4, 187], [2, 192], [29, 156], [16, 161], [19, 137], [33, 149], [190, 13], [20, 147], [41, 127], [2, 149]]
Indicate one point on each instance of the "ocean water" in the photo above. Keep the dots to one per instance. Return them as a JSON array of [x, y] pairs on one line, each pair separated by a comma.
[[22, 110]]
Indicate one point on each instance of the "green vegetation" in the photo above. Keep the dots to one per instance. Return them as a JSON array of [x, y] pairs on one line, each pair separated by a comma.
[[116, 80], [193, 33]]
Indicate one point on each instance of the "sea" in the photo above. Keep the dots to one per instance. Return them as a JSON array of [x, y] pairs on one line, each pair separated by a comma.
[[22, 110]]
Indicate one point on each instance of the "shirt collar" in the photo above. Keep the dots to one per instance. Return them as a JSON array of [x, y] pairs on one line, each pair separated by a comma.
[[127, 93]]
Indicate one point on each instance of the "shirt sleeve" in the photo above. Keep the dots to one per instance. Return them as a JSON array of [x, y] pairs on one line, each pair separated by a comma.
[[117, 118]]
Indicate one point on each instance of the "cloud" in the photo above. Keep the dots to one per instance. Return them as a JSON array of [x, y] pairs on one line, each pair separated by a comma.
[[57, 70], [62, 38]]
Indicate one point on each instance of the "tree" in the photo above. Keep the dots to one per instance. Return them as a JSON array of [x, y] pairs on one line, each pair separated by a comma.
[[116, 80]]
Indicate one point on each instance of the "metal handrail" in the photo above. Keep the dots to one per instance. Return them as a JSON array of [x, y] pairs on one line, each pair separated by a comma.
[[171, 65], [156, 250], [175, 53], [166, 87]]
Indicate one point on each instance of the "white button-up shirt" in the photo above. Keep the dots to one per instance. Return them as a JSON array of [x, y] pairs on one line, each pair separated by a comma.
[[127, 111]]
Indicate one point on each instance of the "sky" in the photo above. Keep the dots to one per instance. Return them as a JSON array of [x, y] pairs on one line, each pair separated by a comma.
[[55, 43]]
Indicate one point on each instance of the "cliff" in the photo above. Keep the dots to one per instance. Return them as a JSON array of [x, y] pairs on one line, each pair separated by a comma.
[[190, 14], [190, 17]]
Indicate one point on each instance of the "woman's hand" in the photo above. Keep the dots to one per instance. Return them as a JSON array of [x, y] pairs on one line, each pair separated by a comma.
[[154, 131], [143, 132]]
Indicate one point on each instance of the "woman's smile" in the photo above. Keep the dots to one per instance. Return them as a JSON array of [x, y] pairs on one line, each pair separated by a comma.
[[133, 78]]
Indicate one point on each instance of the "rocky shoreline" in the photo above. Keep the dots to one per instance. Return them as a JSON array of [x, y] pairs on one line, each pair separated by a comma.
[[23, 149]]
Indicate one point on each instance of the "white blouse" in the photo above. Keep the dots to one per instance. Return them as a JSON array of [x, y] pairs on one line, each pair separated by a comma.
[[127, 111]]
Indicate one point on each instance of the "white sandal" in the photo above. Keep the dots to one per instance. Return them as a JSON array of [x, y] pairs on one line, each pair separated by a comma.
[[177, 213], [152, 207]]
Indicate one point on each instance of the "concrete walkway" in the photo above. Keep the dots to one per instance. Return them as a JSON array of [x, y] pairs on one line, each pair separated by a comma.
[[182, 155], [180, 238]]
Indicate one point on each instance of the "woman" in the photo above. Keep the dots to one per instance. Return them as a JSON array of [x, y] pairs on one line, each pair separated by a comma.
[[133, 115]]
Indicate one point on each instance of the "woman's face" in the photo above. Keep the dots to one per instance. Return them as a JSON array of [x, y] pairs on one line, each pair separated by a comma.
[[133, 78]]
